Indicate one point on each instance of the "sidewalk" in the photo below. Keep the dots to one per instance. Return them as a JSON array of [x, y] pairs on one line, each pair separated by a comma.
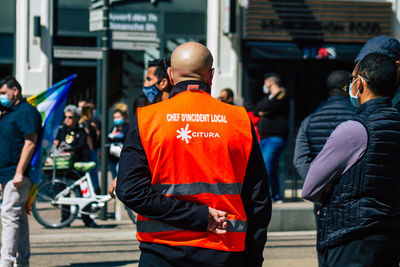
[[115, 244]]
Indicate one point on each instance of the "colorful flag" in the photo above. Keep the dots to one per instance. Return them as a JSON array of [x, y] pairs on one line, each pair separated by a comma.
[[50, 104]]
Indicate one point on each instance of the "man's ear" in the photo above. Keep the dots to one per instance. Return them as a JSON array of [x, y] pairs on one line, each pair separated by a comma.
[[163, 84], [171, 79], [15, 92], [398, 70], [211, 76], [363, 85]]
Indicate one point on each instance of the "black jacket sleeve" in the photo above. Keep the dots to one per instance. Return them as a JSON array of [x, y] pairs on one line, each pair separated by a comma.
[[257, 204], [271, 105], [135, 191]]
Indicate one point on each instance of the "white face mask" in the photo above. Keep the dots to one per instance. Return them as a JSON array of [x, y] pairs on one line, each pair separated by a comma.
[[354, 98], [266, 90]]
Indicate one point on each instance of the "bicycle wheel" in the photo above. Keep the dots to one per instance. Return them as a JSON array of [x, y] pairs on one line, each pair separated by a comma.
[[131, 215], [49, 214]]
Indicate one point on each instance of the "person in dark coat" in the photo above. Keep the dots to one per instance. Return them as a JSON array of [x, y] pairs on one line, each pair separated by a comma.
[[355, 179]]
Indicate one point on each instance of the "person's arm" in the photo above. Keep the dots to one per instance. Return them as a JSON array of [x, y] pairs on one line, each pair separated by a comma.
[[344, 147], [135, 191], [29, 125], [301, 158], [257, 204], [266, 105], [27, 151], [57, 140]]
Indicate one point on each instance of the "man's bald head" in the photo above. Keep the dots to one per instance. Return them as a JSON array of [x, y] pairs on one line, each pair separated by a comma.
[[191, 61]]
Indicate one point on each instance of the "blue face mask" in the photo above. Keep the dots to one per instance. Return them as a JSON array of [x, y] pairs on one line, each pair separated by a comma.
[[118, 122], [5, 102], [151, 92], [354, 98]]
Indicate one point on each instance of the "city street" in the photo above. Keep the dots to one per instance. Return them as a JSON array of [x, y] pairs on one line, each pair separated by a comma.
[[114, 244]]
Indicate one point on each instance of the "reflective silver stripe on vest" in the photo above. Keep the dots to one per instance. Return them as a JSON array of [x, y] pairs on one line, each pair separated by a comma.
[[156, 226], [199, 188]]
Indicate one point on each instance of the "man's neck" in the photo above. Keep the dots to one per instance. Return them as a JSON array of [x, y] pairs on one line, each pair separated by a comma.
[[17, 102], [275, 89]]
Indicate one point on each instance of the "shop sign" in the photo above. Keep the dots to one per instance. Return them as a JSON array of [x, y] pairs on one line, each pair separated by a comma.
[[328, 21], [96, 20], [134, 21], [77, 52], [135, 36], [121, 45]]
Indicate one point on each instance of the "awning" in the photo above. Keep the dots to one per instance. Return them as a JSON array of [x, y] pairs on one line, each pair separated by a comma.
[[260, 50]]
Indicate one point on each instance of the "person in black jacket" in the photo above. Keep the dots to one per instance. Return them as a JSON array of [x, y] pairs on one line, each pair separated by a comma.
[[157, 87], [317, 127], [71, 137], [273, 109], [355, 179]]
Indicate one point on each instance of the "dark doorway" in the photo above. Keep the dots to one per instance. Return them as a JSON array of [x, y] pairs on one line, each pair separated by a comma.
[[84, 85], [304, 80]]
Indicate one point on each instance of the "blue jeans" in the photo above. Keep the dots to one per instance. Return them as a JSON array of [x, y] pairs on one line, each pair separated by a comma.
[[271, 148]]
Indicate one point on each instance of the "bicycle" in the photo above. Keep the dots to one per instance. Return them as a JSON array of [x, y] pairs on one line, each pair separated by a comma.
[[60, 200]]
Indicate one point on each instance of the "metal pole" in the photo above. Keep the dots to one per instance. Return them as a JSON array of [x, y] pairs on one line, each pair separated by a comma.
[[104, 105]]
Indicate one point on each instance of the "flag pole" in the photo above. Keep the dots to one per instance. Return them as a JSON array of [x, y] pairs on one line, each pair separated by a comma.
[[104, 105]]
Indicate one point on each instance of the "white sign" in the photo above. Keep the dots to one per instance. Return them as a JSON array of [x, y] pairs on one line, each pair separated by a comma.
[[96, 20], [96, 26], [135, 36], [96, 14], [133, 21], [77, 52], [134, 45]]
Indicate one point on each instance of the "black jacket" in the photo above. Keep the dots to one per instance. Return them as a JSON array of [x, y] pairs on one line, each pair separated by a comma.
[[324, 120], [275, 121], [74, 140], [366, 199]]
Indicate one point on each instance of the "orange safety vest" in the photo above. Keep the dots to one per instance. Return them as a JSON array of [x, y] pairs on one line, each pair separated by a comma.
[[212, 142]]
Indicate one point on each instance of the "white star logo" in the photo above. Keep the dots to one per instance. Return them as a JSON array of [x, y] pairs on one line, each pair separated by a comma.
[[183, 134]]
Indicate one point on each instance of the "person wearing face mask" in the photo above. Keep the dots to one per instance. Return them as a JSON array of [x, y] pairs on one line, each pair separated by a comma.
[[156, 86], [20, 127], [117, 136], [355, 179], [389, 46], [273, 110]]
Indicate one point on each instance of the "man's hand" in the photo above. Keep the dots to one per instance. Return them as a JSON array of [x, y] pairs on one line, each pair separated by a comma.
[[17, 180], [217, 221], [263, 113], [111, 188]]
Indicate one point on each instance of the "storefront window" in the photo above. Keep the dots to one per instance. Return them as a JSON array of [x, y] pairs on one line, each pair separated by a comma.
[[7, 32]]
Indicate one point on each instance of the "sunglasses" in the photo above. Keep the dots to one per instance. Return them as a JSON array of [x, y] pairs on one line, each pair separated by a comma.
[[69, 117]]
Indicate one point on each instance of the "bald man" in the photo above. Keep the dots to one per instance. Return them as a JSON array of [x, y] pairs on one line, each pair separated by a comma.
[[192, 168]]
